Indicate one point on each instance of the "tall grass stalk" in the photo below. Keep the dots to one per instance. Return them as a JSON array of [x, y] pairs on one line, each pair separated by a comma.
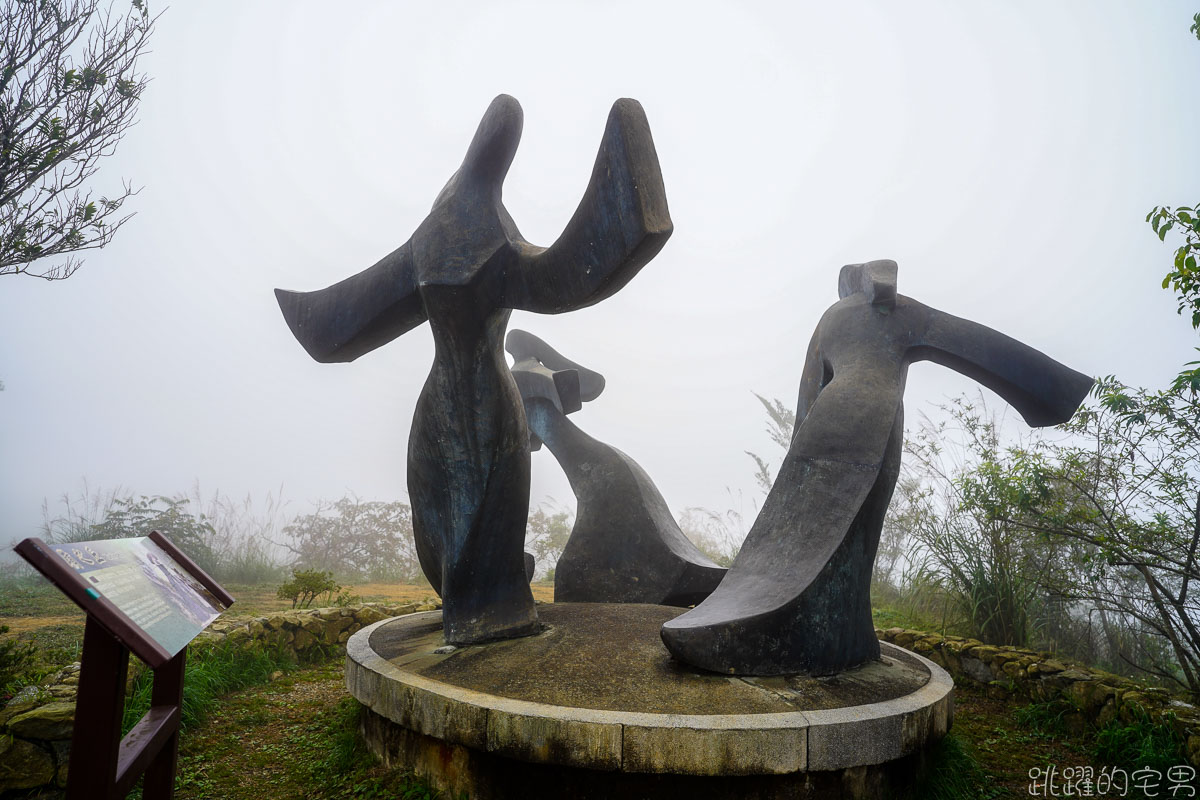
[[245, 536], [1138, 744], [233, 540]]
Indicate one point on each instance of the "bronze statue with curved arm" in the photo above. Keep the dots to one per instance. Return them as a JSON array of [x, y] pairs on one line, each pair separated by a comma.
[[463, 270], [797, 598]]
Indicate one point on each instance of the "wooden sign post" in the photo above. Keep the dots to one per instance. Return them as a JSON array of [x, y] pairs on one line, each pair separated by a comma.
[[144, 596]]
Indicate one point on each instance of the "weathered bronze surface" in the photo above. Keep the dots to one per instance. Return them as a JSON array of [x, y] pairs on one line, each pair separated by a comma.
[[625, 546], [797, 598], [463, 270]]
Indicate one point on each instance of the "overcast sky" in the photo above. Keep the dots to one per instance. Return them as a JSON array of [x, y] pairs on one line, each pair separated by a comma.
[[1004, 154]]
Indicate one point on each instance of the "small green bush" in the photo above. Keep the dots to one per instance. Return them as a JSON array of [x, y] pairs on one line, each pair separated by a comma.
[[344, 598], [307, 585]]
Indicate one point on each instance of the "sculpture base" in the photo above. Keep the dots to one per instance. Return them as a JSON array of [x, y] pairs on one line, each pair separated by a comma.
[[594, 706]]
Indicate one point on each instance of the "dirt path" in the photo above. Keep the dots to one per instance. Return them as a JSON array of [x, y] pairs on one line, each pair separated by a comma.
[[21, 624]]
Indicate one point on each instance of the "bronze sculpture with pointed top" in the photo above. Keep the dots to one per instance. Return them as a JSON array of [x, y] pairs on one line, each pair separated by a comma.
[[464, 268]]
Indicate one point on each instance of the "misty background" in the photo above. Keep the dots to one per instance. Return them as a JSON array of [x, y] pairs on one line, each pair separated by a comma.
[[1005, 155]]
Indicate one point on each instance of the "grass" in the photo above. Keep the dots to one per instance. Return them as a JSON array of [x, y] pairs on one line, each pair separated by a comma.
[[33, 596], [893, 617], [997, 735], [955, 774], [1138, 744], [352, 767], [1131, 745], [35, 653], [291, 739], [209, 675], [918, 615]]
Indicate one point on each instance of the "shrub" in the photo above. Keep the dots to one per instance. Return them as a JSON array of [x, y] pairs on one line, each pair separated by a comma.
[[307, 585], [170, 516]]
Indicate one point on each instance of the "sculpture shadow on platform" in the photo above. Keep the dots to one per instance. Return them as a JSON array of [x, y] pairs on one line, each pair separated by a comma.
[[464, 268], [797, 598], [625, 546]]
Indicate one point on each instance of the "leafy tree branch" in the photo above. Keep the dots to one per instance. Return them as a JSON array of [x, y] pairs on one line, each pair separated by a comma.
[[69, 91]]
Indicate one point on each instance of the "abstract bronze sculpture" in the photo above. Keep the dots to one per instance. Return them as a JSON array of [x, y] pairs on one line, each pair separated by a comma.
[[625, 546], [797, 598], [463, 270]]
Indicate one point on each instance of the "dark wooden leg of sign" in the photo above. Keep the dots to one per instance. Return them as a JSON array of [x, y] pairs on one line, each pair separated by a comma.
[[98, 708], [159, 781]]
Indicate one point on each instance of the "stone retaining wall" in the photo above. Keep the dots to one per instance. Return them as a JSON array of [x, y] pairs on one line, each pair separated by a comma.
[[35, 726], [1095, 696]]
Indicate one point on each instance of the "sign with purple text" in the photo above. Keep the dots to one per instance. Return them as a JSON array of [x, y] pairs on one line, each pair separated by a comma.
[[147, 585]]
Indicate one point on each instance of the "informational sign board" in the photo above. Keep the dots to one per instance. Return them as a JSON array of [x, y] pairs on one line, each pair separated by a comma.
[[147, 586], [150, 595], [142, 595]]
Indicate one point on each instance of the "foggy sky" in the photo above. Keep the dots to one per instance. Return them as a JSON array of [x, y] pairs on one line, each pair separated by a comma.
[[1004, 154]]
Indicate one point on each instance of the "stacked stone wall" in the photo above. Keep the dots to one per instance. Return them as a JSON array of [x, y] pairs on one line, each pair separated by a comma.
[[1092, 697], [35, 726]]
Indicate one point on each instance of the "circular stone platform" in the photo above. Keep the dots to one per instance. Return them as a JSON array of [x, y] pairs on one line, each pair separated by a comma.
[[594, 706]]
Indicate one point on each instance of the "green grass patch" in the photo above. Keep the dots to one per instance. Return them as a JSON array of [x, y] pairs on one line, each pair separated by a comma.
[[1130, 746], [1139, 743], [209, 674], [32, 596], [349, 769], [913, 617], [1047, 719], [28, 657], [295, 738], [17, 658], [954, 774]]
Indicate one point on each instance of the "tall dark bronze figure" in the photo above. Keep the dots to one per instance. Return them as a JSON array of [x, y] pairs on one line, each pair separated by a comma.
[[463, 270], [625, 546], [797, 598]]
